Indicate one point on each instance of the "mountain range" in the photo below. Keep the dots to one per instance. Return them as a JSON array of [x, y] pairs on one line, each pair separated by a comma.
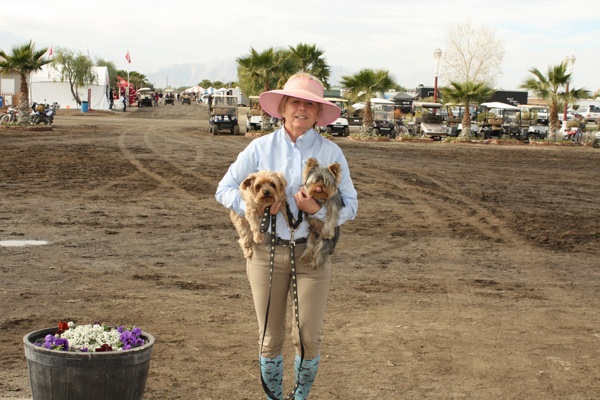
[[178, 75]]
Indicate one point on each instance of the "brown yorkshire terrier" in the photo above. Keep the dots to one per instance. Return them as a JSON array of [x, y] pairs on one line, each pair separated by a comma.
[[259, 190], [321, 183]]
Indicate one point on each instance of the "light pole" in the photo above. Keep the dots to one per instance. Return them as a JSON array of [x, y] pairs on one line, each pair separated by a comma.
[[437, 55], [569, 61]]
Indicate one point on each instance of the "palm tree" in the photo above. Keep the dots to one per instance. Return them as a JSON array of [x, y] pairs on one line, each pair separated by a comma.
[[23, 61], [364, 85], [263, 71], [553, 88], [312, 62], [466, 94]]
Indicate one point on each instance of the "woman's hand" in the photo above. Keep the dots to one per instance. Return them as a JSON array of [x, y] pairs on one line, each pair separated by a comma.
[[306, 203], [275, 208]]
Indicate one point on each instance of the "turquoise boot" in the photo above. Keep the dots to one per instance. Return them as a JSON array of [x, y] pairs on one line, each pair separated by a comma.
[[272, 373], [307, 375]]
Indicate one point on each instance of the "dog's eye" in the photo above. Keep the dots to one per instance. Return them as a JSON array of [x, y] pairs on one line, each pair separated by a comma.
[[273, 186]]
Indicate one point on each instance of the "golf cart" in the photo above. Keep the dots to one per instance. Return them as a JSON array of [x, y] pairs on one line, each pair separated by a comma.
[[534, 121], [383, 117], [456, 113], [502, 120], [254, 115], [340, 125], [169, 97], [224, 115], [429, 124], [186, 99], [145, 98]]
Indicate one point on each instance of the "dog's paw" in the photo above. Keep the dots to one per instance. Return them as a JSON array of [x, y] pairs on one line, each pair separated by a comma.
[[258, 238], [247, 252], [327, 233]]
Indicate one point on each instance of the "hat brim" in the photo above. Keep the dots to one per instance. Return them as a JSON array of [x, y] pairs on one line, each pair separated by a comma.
[[270, 103]]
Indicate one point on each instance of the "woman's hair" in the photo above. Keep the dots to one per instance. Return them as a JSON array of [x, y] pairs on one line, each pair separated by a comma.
[[302, 75]]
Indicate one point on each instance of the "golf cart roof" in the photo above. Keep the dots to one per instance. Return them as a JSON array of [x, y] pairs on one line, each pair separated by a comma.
[[534, 106], [382, 101], [335, 99], [144, 89], [427, 105], [502, 106], [254, 97], [168, 90]]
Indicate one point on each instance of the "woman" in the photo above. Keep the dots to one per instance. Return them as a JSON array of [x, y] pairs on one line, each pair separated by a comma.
[[301, 107]]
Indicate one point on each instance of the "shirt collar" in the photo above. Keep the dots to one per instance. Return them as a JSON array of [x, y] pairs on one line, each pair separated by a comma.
[[307, 137]]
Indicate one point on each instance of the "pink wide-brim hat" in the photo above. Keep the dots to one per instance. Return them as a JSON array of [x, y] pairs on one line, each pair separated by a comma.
[[302, 88]]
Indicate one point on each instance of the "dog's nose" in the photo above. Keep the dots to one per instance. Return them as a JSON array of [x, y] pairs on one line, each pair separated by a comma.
[[266, 192]]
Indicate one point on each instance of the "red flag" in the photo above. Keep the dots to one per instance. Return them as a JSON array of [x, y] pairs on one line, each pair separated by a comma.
[[49, 54], [128, 57]]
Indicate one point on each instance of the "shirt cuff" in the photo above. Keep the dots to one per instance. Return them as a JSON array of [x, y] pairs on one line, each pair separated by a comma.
[[321, 214]]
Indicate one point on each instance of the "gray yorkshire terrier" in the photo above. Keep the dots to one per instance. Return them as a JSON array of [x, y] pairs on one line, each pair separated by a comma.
[[321, 183]]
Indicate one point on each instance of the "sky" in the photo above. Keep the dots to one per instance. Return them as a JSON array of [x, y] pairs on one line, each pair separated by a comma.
[[396, 35]]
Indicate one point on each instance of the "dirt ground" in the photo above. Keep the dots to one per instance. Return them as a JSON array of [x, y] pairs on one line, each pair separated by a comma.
[[470, 272]]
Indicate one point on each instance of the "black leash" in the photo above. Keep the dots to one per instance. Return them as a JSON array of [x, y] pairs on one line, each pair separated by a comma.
[[263, 228]]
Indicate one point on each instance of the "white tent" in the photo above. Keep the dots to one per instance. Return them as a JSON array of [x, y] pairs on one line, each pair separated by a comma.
[[194, 89], [46, 87]]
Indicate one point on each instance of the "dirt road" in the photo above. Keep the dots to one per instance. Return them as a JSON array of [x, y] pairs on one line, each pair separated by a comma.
[[470, 272]]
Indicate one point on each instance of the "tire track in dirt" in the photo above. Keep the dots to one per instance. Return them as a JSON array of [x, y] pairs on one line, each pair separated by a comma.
[[163, 181], [451, 203]]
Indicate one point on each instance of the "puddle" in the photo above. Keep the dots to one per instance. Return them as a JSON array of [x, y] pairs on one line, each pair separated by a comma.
[[20, 243]]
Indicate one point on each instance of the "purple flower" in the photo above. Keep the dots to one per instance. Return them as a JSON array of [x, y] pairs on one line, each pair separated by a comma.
[[50, 338], [126, 347], [48, 345], [120, 329], [97, 323], [64, 343], [136, 332], [126, 337], [84, 349]]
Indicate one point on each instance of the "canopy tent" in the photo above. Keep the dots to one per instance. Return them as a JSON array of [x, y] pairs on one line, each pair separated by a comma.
[[400, 96], [46, 87], [194, 89], [122, 83], [210, 90]]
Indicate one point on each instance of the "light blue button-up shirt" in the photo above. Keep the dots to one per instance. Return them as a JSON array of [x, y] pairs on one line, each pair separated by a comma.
[[277, 153]]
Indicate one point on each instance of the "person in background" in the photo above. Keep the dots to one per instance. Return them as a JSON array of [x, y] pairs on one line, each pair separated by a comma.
[[124, 100]]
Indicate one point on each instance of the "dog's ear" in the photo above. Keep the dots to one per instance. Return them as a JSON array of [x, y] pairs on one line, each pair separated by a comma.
[[248, 182], [310, 164], [282, 180], [336, 170]]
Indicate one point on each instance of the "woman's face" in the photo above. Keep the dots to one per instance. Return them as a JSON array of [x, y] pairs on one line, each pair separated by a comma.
[[300, 115]]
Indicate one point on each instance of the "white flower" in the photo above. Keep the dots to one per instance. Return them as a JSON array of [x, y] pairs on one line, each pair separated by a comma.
[[91, 337]]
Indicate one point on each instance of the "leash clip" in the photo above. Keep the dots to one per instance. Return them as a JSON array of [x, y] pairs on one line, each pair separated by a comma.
[[292, 240]]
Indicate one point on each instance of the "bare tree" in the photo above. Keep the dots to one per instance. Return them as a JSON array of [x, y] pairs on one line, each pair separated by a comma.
[[473, 53]]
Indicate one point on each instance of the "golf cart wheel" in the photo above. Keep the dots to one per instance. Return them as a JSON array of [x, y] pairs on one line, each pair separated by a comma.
[[236, 130], [596, 143], [346, 131], [214, 129], [375, 132], [530, 137], [393, 134], [328, 130]]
